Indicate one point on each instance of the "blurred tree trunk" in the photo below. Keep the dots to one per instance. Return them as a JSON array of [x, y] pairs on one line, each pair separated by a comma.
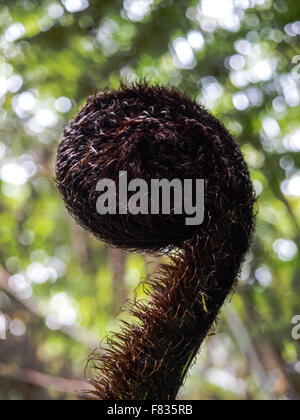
[[117, 263]]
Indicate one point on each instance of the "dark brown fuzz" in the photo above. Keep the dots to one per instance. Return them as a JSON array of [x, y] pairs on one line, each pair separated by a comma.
[[154, 133]]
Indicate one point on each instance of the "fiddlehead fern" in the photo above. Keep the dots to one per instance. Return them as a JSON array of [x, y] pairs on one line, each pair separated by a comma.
[[154, 133]]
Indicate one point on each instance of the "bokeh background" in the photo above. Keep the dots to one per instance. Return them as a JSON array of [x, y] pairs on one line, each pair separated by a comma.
[[61, 290]]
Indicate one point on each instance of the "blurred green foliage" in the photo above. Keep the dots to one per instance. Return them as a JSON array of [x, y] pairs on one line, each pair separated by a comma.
[[60, 290]]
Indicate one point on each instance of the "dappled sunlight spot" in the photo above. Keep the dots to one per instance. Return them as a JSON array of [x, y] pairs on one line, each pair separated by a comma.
[[18, 173], [5, 17], [45, 118], [63, 104], [243, 46], [37, 273], [26, 293], [196, 40], [276, 35], [53, 323], [290, 90], [15, 83], [296, 27], [242, 4], [3, 327], [239, 78], [219, 349], [44, 268], [27, 237], [292, 142], [20, 285], [261, 71], [251, 20], [17, 327], [287, 163], [61, 312], [17, 282], [16, 192], [137, 10], [264, 276], [28, 164], [237, 62], [183, 55], [279, 104], [55, 11], [226, 380], [24, 102], [212, 91], [285, 249], [87, 44], [45, 23], [74, 6], [34, 128], [271, 144], [6, 69], [12, 264], [271, 127], [254, 3], [14, 32], [14, 174], [42, 119], [231, 23], [292, 29], [132, 277], [55, 267], [240, 101], [128, 73], [3, 85], [245, 272], [235, 127], [291, 187], [245, 275], [38, 255], [258, 187], [207, 24], [222, 12], [217, 9], [255, 96], [105, 36], [52, 274]]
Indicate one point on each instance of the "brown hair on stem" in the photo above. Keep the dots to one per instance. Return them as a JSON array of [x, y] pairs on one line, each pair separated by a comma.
[[155, 132]]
